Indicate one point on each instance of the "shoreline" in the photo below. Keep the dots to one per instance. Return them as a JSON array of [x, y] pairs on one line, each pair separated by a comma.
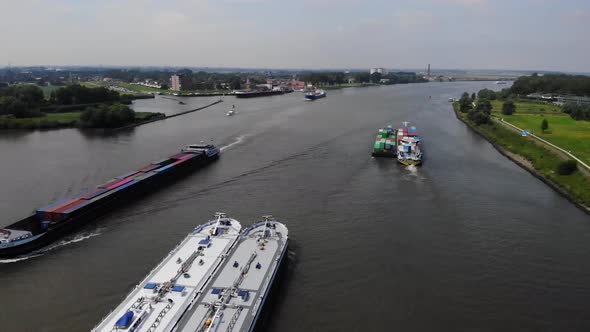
[[133, 125], [525, 164]]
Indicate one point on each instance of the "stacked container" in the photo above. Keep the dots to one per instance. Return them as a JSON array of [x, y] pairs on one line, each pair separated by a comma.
[[70, 207]]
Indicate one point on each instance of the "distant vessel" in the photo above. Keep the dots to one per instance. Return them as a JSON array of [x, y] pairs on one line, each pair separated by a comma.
[[235, 296], [257, 93], [385, 143], [159, 301], [409, 145], [313, 95], [55, 220], [501, 82], [232, 111]]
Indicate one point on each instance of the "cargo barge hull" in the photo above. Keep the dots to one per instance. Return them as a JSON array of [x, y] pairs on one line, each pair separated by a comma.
[[43, 233]]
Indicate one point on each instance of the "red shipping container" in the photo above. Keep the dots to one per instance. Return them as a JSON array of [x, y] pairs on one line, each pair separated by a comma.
[[119, 183], [62, 204], [69, 206]]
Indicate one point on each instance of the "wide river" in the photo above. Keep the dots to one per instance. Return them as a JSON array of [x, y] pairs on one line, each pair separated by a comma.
[[467, 242]]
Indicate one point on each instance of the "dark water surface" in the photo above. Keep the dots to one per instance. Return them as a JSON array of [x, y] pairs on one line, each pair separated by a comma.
[[468, 242]]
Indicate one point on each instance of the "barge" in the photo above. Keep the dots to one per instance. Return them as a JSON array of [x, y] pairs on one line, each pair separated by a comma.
[[55, 220], [159, 301]]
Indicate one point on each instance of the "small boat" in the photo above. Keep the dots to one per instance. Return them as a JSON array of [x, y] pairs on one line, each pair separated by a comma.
[[232, 111], [313, 95]]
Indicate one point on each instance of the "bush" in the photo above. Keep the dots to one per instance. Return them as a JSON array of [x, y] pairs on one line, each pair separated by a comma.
[[567, 167]]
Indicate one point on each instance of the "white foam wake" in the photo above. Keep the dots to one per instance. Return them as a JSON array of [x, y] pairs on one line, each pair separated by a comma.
[[412, 168], [239, 140], [40, 252], [18, 259], [75, 239]]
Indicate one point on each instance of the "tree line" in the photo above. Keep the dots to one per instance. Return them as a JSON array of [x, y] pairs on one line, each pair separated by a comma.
[[107, 116], [339, 78], [578, 85], [26, 100], [21, 101], [78, 94]]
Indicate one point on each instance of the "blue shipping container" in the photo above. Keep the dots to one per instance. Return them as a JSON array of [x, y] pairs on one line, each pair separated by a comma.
[[164, 169]]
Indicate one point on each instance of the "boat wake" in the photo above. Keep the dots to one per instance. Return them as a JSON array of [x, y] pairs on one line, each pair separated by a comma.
[[239, 140], [18, 259], [413, 173], [76, 238]]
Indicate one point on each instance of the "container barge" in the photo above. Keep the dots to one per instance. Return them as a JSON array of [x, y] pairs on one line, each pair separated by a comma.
[[385, 143], [55, 220], [225, 291], [161, 299]]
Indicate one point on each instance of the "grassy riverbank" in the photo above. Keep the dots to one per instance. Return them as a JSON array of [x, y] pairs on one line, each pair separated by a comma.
[[563, 131], [55, 121], [539, 160]]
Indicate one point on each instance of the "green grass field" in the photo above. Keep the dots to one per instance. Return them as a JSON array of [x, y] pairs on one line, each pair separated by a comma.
[[563, 131], [542, 159], [92, 84]]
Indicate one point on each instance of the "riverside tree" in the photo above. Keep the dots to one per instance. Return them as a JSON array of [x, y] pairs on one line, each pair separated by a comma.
[[484, 105], [508, 107], [544, 125], [465, 103]]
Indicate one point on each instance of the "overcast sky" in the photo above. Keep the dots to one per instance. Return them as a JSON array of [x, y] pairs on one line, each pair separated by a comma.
[[471, 34]]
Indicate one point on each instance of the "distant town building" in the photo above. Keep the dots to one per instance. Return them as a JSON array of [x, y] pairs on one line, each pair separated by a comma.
[[297, 85], [180, 82], [381, 71]]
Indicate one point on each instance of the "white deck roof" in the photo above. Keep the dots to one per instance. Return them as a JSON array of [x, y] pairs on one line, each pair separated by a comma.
[[220, 302], [159, 300]]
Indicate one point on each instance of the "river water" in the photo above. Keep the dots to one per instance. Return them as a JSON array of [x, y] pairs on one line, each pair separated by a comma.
[[467, 242]]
